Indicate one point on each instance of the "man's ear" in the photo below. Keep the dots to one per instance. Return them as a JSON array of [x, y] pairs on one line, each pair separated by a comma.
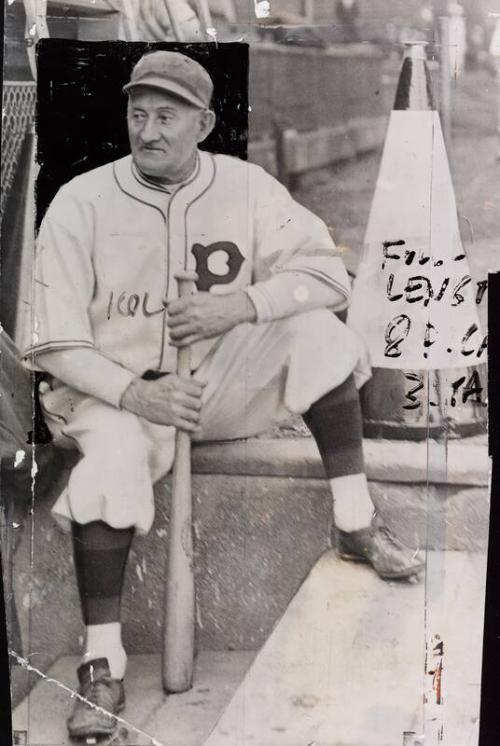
[[207, 123]]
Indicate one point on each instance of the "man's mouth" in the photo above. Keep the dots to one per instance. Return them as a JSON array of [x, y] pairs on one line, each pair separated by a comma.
[[151, 149]]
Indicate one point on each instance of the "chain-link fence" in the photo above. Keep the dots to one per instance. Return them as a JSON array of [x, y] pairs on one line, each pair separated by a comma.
[[18, 112]]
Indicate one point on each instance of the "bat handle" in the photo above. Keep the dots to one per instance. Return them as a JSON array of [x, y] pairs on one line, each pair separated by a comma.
[[178, 649], [185, 280]]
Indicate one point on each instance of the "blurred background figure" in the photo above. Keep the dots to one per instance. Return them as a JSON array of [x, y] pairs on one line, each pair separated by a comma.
[[157, 20], [458, 38], [475, 45], [495, 55], [149, 20], [495, 44], [347, 12], [224, 9]]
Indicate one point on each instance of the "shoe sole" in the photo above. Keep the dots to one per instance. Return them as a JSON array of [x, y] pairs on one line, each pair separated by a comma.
[[393, 576], [353, 558], [82, 736]]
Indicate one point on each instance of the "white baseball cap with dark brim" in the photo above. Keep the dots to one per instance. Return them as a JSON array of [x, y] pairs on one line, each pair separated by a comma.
[[173, 73]]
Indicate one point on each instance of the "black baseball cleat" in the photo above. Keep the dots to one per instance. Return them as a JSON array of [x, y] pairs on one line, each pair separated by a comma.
[[378, 546], [104, 697]]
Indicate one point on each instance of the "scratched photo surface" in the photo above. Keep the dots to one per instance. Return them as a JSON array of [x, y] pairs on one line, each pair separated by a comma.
[[244, 459]]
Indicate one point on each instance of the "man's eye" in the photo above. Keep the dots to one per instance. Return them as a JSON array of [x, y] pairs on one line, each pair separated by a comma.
[[165, 118], [138, 117]]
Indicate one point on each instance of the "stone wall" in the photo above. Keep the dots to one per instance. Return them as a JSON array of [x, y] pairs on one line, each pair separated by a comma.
[[325, 104]]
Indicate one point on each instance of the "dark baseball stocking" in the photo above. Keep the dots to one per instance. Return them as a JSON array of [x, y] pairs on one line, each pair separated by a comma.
[[336, 424], [100, 553]]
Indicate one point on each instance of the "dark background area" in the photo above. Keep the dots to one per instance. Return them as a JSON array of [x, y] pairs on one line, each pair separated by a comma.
[[489, 734], [5, 719], [5, 704], [81, 113]]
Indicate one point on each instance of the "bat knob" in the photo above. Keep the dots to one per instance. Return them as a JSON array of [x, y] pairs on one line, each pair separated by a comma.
[[186, 275], [185, 278]]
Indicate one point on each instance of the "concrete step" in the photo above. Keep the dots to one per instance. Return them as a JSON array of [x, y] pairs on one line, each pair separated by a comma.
[[262, 516], [151, 717], [352, 661]]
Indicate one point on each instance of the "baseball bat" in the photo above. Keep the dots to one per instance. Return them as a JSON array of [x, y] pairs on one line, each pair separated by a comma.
[[178, 646]]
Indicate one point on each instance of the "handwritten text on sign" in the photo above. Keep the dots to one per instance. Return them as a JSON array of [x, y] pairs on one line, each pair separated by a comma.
[[466, 389], [436, 308]]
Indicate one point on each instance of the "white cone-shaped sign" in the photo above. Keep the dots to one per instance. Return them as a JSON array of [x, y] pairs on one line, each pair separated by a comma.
[[414, 299]]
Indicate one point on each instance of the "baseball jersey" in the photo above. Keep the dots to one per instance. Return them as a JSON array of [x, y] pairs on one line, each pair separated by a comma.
[[111, 243]]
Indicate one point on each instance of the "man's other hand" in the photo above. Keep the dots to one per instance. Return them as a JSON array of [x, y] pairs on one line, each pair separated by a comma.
[[205, 315], [170, 400]]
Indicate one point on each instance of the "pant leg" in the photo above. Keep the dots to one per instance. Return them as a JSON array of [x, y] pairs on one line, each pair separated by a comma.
[[259, 374], [113, 480]]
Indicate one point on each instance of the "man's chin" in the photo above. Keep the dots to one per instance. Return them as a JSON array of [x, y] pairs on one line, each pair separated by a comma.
[[150, 165]]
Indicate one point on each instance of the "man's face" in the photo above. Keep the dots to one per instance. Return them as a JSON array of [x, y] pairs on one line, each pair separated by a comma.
[[164, 132]]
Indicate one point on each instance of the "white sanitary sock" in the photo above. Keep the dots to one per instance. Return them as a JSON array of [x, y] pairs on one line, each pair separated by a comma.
[[105, 641], [352, 505]]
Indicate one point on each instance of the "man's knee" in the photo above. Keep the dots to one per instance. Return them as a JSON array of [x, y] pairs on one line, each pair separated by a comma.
[[114, 433], [314, 326], [112, 480]]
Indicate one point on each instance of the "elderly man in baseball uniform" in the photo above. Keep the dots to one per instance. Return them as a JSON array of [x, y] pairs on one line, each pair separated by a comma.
[[265, 343]]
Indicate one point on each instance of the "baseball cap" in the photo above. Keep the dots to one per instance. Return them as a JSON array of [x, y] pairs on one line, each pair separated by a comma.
[[174, 73]]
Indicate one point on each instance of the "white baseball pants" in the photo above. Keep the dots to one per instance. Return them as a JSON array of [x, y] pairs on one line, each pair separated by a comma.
[[257, 375]]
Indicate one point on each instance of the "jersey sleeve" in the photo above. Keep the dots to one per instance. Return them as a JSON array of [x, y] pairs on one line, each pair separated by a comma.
[[287, 293], [63, 280], [88, 371], [291, 241]]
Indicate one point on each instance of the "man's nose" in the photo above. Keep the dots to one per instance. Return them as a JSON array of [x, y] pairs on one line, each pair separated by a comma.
[[149, 132]]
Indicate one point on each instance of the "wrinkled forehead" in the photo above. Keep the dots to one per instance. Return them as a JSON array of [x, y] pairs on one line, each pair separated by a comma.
[[151, 99]]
